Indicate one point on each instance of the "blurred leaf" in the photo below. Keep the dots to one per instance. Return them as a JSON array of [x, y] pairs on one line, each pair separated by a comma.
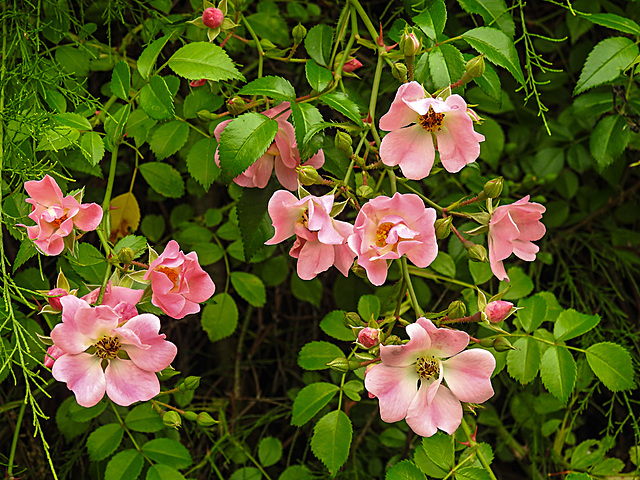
[[605, 62], [269, 451], [611, 20], [316, 355], [253, 218], [220, 317], [497, 47], [121, 80], [199, 60], [163, 178], [609, 139], [307, 290], [160, 471]]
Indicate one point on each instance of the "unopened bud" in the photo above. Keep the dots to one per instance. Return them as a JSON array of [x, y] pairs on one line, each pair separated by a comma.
[[493, 188], [212, 17], [342, 365], [358, 270], [266, 45], [308, 175], [352, 319], [501, 344], [475, 66], [343, 142], [365, 191], [351, 65], [191, 416], [54, 296], [126, 255], [369, 337], [477, 253], [399, 71], [172, 419], [393, 340], [443, 227], [235, 105], [499, 310], [191, 383], [206, 115], [53, 353], [486, 342], [197, 83], [409, 45], [298, 33], [457, 309], [204, 420]]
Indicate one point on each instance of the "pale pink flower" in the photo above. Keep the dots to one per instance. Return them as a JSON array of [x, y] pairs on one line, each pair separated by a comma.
[[56, 215], [104, 353], [178, 282], [282, 155], [511, 230], [414, 119], [388, 228], [447, 375], [321, 241], [499, 310]]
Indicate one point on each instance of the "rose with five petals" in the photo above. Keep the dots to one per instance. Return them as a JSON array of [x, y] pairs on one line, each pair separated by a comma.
[[55, 215], [447, 375], [388, 228], [512, 229], [413, 121], [178, 282]]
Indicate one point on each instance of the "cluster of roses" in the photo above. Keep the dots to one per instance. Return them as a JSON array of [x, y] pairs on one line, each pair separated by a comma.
[[110, 347]]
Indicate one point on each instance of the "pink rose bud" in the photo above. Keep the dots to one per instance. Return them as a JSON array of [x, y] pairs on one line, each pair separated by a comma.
[[409, 45], [497, 311], [197, 83], [212, 17], [54, 296], [53, 352], [351, 65], [369, 337]]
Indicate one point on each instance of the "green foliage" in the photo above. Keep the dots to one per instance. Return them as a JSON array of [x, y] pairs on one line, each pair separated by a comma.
[[331, 439]]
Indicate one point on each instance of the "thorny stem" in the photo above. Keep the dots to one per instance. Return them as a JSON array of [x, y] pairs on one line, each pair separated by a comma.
[[472, 442]]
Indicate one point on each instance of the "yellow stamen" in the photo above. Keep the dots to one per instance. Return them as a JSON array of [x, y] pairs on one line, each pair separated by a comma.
[[428, 367], [431, 121]]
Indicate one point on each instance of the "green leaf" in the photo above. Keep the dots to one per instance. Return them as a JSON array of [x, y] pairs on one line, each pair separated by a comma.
[[92, 147], [90, 264], [605, 62], [149, 56], [404, 470], [489, 82], [73, 60], [200, 60], [139, 125], [472, 473], [332, 439], [558, 372], [307, 290], [73, 120], [273, 87], [497, 47], [201, 164], [305, 116], [316, 355], [156, 99], [220, 317], [296, 472], [58, 138], [318, 44], [533, 313], [163, 472], [163, 178], [432, 19], [208, 253], [25, 252], [104, 440], [611, 20], [492, 147], [607, 467], [585, 455], [246, 473], [369, 307], [200, 99], [243, 141], [69, 427], [253, 218], [439, 449], [609, 139], [78, 413], [168, 138], [167, 451], [269, 451], [493, 12], [333, 325], [523, 363], [480, 272], [521, 285], [114, 126], [571, 324], [143, 418], [250, 288], [121, 80], [310, 400], [446, 65], [612, 365], [125, 465], [343, 104], [444, 264], [318, 77]]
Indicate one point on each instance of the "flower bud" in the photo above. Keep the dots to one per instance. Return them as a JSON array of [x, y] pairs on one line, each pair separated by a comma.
[[126, 255], [266, 45], [369, 337], [352, 319], [205, 420], [191, 383], [206, 115], [365, 191], [191, 416], [399, 71], [358, 270], [343, 142], [54, 296], [457, 309], [172, 419], [443, 227], [477, 253], [197, 83], [475, 66], [351, 65], [212, 17], [501, 344], [409, 45], [499, 310], [53, 352], [493, 188], [235, 105], [340, 364], [308, 175], [298, 33], [393, 340], [486, 342]]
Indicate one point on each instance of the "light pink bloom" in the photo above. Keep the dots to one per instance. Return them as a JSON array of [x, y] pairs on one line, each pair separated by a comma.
[[511, 230], [414, 119], [369, 337], [447, 375], [320, 242], [387, 228], [499, 310], [55, 215], [351, 65], [178, 282], [282, 155], [104, 353]]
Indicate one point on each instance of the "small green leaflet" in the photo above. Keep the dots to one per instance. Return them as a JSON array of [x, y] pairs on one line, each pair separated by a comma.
[[167, 451], [156, 99], [523, 363], [149, 56], [73, 120], [201, 163], [249, 287], [220, 317], [163, 178], [104, 441], [310, 400], [605, 62], [304, 117], [493, 12], [121, 80], [318, 77], [125, 465], [316, 355], [609, 139], [611, 20], [404, 470], [92, 147], [269, 451], [558, 372], [497, 47], [168, 138], [432, 19], [332, 439], [343, 104], [273, 87], [253, 218], [612, 365], [199, 60], [571, 324], [318, 44]]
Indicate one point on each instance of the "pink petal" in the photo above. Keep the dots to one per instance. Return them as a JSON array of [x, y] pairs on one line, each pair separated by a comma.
[[411, 148], [497, 267], [468, 375], [395, 388], [525, 250], [288, 177], [258, 174], [196, 284], [458, 143], [314, 258], [83, 375], [88, 217], [399, 114], [156, 353], [45, 191], [445, 342], [407, 354], [126, 383], [284, 212], [444, 411]]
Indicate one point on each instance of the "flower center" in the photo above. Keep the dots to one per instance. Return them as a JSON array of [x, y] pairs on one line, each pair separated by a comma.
[[382, 233], [171, 273], [304, 218], [58, 221], [107, 347], [431, 121], [428, 367]]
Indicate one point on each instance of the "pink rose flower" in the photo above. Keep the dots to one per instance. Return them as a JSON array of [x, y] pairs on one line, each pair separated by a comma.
[[282, 155], [511, 230], [93, 341], [434, 357], [178, 282], [387, 228], [414, 119], [55, 215], [499, 310], [320, 242]]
